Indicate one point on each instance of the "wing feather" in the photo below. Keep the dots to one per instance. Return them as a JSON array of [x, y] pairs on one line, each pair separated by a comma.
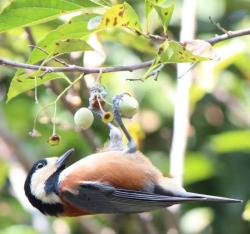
[[102, 198]]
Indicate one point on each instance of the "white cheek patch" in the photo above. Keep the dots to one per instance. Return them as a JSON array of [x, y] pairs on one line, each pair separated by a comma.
[[38, 186]]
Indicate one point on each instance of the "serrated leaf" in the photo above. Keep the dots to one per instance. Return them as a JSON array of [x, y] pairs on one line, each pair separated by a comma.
[[66, 38], [70, 45], [165, 14], [163, 8], [174, 52], [121, 15], [23, 82], [149, 6], [20, 13], [76, 28]]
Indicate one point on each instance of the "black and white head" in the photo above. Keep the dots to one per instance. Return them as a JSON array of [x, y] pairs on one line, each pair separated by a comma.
[[41, 185]]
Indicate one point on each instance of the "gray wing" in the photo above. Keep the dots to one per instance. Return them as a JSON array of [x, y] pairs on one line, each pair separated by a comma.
[[102, 198]]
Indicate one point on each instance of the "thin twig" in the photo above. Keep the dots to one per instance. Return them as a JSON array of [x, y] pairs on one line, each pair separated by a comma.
[[217, 25], [130, 68], [30, 36], [192, 66], [47, 53], [226, 36], [156, 38], [135, 79], [155, 72], [87, 134]]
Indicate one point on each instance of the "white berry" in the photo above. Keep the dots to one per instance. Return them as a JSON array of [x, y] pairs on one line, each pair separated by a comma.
[[128, 106], [83, 118]]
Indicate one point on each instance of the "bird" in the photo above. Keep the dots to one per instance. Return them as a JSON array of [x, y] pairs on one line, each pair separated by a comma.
[[119, 179], [113, 181]]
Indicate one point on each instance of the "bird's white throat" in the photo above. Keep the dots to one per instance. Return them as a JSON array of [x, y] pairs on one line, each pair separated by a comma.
[[38, 181]]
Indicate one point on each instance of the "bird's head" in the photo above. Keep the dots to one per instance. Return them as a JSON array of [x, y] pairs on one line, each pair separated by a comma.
[[41, 185]]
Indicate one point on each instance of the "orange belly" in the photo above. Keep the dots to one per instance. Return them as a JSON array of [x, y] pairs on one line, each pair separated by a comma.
[[115, 168]]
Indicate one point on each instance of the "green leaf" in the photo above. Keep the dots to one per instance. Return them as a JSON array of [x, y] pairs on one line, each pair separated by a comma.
[[64, 39], [152, 69], [70, 45], [76, 28], [149, 6], [129, 40], [121, 15], [23, 82], [20, 13], [102, 2], [83, 3], [174, 52], [165, 14], [163, 8], [231, 141], [197, 168]]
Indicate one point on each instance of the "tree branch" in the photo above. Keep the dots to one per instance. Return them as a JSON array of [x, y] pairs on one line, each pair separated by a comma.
[[229, 35], [75, 68], [130, 68]]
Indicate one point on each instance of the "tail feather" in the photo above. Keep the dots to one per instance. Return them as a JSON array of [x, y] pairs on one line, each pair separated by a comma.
[[193, 196], [207, 198]]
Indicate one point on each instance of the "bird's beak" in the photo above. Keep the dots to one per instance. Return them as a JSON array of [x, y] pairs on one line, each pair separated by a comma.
[[62, 159]]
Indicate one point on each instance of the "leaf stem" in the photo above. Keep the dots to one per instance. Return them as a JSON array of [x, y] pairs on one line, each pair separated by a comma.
[[55, 103]]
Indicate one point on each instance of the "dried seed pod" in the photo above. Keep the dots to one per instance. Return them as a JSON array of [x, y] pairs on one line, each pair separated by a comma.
[[54, 140], [34, 133], [83, 118], [107, 117]]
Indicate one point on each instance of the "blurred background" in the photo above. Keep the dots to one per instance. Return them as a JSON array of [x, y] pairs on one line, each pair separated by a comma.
[[217, 158]]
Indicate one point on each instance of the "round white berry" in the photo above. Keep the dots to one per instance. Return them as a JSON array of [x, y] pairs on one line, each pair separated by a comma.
[[83, 118], [128, 106]]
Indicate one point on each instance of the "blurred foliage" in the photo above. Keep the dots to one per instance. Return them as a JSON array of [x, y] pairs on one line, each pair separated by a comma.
[[217, 157]]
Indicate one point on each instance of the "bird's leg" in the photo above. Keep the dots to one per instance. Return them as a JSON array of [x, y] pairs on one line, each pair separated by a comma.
[[95, 104], [115, 135], [132, 147]]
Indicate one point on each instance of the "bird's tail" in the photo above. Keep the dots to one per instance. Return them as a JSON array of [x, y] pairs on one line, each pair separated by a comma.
[[207, 198], [188, 196]]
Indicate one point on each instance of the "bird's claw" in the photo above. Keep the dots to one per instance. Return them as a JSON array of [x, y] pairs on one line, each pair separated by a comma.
[[131, 146]]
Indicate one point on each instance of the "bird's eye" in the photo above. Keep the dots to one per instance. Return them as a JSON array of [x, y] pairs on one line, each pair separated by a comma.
[[40, 165]]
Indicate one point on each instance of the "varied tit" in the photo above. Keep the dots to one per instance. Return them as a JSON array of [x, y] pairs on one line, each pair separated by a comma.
[[119, 180], [106, 182]]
